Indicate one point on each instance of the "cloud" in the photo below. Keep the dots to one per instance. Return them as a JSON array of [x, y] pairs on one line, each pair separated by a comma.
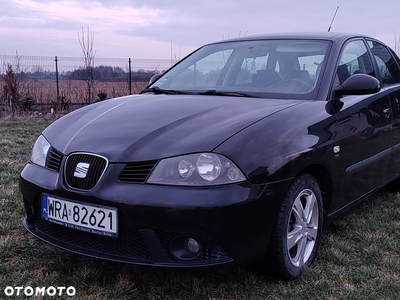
[[147, 27]]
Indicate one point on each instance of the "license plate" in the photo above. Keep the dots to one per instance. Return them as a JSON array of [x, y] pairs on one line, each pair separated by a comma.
[[90, 218]]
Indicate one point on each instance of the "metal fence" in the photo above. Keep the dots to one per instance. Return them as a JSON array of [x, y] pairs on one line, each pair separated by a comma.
[[44, 80]]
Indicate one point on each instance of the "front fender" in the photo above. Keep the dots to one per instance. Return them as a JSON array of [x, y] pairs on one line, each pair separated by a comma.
[[278, 147]]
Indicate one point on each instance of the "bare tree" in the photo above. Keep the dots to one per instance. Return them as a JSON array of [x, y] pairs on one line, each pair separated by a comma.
[[11, 88], [86, 40], [16, 87]]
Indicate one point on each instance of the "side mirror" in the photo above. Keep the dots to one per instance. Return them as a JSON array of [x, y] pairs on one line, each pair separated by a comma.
[[154, 78], [358, 84]]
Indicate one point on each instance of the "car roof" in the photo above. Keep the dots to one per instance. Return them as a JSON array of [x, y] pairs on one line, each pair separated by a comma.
[[332, 36]]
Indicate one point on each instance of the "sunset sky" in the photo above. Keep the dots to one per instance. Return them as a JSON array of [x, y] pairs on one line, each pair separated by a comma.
[[161, 29]]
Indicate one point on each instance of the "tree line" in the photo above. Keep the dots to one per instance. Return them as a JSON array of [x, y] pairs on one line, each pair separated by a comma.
[[99, 73]]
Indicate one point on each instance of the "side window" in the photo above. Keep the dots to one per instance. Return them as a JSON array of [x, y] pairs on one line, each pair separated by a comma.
[[354, 59], [387, 66]]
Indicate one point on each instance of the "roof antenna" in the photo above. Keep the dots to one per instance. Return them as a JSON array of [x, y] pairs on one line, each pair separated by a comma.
[[333, 19]]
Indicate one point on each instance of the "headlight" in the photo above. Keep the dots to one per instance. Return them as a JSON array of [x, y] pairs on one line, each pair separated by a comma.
[[39, 151], [196, 169]]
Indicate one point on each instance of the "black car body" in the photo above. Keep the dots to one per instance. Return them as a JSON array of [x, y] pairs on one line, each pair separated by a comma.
[[239, 152]]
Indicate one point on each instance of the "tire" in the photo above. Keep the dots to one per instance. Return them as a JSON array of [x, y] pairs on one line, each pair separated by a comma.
[[297, 232]]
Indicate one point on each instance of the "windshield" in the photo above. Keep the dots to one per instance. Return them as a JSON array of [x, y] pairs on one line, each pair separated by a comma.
[[257, 68]]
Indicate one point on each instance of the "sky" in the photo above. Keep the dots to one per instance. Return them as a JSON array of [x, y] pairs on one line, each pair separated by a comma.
[[166, 29]]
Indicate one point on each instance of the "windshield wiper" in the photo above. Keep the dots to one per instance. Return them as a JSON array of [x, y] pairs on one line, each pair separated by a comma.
[[156, 90], [226, 93]]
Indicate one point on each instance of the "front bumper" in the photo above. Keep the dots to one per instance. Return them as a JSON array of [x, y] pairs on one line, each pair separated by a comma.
[[232, 223]]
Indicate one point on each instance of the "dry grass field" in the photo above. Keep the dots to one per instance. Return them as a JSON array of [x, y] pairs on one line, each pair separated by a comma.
[[76, 91], [42, 94]]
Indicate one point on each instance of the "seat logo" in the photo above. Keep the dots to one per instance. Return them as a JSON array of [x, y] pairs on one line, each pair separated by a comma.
[[81, 170]]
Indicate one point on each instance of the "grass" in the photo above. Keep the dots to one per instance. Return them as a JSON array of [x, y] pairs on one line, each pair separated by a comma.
[[359, 256]]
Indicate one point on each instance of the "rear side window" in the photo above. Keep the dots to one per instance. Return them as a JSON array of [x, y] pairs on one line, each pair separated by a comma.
[[386, 63]]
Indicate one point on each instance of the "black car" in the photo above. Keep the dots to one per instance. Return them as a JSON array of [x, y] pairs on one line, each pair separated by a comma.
[[238, 153]]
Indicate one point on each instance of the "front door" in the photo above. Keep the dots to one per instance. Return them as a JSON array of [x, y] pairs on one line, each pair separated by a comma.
[[365, 124]]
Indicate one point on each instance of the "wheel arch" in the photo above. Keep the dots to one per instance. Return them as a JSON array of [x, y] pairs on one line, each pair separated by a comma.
[[324, 179]]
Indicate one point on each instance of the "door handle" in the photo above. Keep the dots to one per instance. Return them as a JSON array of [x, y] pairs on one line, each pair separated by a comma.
[[387, 112]]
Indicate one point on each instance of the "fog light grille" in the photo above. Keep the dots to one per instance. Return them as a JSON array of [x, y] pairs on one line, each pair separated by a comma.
[[210, 250]]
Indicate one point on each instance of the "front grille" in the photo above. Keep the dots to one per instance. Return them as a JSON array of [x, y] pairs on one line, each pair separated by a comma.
[[137, 172], [53, 160], [84, 178]]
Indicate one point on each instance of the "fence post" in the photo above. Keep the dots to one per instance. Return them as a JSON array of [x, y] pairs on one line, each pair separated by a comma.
[[57, 81], [130, 76]]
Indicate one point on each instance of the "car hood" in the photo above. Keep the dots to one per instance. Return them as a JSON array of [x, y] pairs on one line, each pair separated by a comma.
[[146, 127]]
